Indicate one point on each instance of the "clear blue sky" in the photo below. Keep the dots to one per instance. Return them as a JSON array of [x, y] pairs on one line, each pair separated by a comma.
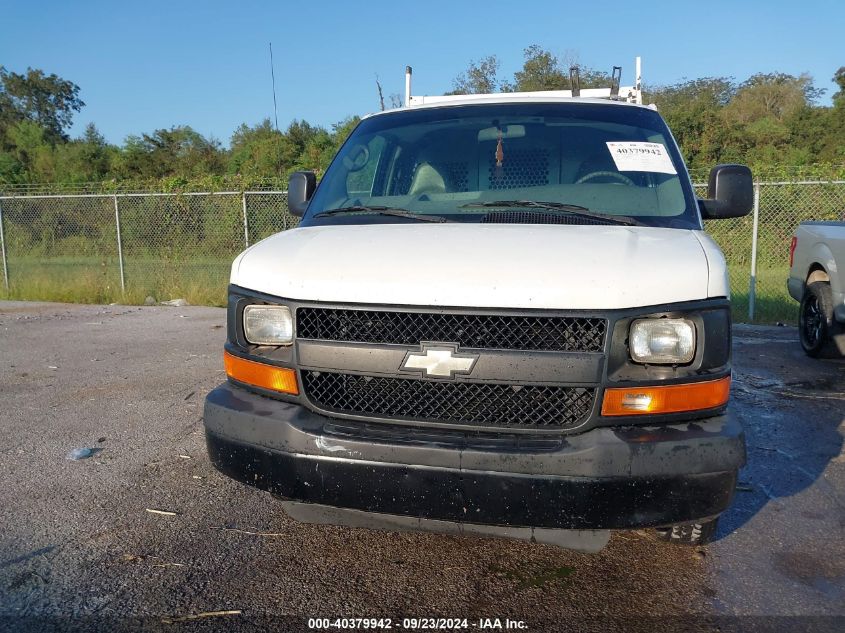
[[148, 64]]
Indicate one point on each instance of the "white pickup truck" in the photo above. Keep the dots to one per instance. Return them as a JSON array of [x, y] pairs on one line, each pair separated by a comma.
[[499, 315], [817, 280]]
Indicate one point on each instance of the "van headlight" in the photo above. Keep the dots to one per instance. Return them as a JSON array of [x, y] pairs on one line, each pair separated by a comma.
[[662, 341], [268, 325]]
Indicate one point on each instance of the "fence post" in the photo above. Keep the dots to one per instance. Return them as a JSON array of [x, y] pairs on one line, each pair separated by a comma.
[[3, 249], [119, 245], [752, 288], [246, 222]]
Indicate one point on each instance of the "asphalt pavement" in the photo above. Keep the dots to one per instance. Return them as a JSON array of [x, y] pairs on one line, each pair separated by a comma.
[[145, 535]]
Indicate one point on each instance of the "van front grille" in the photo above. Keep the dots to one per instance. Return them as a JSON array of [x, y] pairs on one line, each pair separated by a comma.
[[449, 402], [484, 331]]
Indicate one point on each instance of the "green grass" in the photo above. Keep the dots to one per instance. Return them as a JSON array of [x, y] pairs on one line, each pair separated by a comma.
[[772, 302], [203, 281]]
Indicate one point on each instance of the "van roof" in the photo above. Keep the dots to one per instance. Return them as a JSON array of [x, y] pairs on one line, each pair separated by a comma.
[[615, 93], [504, 98]]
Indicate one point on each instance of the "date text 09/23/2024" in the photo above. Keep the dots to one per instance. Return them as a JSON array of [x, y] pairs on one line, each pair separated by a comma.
[[448, 624]]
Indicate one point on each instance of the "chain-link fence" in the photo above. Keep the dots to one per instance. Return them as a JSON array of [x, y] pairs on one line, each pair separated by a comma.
[[757, 246], [126, 247]]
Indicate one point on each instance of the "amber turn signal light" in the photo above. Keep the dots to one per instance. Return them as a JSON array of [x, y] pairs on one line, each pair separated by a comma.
[[261, 375], [666, 399]]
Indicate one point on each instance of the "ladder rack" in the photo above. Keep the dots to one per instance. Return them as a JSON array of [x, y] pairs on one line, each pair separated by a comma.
[[631, 94]]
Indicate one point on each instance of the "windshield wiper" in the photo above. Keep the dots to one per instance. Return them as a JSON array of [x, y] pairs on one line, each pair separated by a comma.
[[391, 211], [571, 209]]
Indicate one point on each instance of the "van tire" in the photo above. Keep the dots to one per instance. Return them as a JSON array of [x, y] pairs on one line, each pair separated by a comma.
[[816, 324], [697, 533]]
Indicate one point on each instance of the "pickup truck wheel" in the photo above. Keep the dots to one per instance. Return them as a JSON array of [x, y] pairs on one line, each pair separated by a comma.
[[815, 319], [699, 533]]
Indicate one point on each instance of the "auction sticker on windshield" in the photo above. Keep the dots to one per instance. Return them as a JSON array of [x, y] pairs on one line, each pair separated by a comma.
[[638, 156]]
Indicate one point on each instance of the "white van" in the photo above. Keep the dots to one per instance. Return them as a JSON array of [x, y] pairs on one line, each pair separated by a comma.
[[499, 315]]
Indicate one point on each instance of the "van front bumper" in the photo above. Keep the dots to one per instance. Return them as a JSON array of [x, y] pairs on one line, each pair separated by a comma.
[[605, 478]]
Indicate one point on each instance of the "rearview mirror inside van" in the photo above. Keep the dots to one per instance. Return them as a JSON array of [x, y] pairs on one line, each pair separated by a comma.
[[506, 131]]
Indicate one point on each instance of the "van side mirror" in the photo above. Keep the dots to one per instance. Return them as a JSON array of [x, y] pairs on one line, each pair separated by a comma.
[[730, 193], [301, 186]]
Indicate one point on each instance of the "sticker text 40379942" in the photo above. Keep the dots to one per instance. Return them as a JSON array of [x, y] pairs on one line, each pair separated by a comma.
[[640, 156]]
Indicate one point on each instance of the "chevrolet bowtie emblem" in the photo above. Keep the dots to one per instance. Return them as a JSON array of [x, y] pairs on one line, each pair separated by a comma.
[[439, 360]]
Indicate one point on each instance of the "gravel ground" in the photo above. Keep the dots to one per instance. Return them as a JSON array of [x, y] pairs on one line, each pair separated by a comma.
[[79, 549]]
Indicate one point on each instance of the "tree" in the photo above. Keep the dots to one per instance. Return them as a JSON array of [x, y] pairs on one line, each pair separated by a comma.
[[315, 145], [775, 95], [768, 119], [257, 151], [480, 77], [294, 141], [342, 130], [86, 159], [47, 100], [831, 126], [692, 110], [322, 149], [178, 151], [839, 79], [762, 118], [30, 155], [541, 70]]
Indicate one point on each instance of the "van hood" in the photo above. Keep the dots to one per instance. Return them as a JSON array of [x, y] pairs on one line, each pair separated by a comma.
[[485, 266]]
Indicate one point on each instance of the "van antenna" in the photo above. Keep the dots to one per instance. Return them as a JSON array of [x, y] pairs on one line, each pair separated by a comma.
[[273, 79]]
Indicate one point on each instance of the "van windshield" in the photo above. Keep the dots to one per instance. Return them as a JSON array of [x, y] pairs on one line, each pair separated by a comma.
[[574, 163]]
